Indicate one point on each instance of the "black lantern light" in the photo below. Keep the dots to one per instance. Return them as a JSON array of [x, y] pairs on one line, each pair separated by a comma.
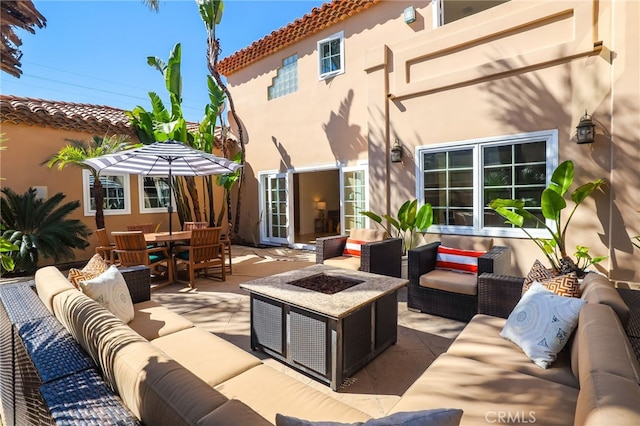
[[396, 152], [586, 130]]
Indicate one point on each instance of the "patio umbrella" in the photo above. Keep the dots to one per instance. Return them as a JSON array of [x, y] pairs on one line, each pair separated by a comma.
[[169, 158]]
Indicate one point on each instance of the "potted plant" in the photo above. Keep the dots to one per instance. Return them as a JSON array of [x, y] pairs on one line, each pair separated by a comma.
[[407, 224], [553, 203]]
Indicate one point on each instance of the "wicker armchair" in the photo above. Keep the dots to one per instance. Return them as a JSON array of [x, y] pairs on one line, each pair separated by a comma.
[[443, 303], [382, 257]]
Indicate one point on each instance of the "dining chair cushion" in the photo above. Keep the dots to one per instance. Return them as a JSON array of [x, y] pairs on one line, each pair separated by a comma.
[[110, 290], [156, 257]]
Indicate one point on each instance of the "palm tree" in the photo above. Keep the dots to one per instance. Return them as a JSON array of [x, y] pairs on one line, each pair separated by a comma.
[[39, 229], [16, 14], [77, 151]]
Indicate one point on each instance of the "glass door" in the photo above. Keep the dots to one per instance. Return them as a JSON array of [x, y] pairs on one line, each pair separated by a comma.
[[354, 198], [275, 228]]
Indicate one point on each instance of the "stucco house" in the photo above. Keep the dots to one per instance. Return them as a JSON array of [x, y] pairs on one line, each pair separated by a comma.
[[35, 129], [462, 89]]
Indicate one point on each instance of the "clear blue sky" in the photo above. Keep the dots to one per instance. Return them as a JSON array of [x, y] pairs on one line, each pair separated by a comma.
[[96, 51]]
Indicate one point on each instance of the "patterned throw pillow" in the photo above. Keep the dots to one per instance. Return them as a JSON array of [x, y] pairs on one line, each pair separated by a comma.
[[110, 290], [566, 285], [92, 269], [542, 323], [537, 273], [352, 248], [458, 260]]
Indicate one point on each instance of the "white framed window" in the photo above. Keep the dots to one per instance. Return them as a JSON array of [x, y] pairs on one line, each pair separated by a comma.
[[461, 178], [154, 194], [287, 79], [331, 56], [117, 194]]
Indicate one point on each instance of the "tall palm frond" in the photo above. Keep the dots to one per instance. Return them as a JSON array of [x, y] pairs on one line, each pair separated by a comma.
[[16, 14]]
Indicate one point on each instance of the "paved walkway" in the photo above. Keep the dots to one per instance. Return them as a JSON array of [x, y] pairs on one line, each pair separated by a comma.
[[223, 308]]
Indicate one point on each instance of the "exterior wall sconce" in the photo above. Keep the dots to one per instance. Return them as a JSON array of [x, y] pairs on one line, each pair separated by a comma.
[[586, 130], [396, 152], [409, 15]]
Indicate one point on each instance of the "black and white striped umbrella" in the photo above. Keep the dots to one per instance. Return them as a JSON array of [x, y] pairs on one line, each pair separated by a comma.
[[168, 158]]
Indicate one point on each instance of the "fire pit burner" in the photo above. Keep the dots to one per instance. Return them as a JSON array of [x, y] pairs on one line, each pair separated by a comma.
[[327, 284]]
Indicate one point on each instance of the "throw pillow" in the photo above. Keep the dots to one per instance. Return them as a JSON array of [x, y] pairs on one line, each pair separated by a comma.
[[352, 247], [435, 417], [92, 269], [537, 273], [457, 259], [541, 323], [566, 285], [111, 291]]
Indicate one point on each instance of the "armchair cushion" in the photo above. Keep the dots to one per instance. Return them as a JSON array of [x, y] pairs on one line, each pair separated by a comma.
[[368, 234], [347, 262], [466, 243], [450, 281], [458, 260]]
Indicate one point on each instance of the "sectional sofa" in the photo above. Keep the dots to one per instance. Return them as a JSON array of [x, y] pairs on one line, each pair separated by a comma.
[[67, 360]]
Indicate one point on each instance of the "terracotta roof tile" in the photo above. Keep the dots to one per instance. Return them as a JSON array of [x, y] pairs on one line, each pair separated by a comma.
[[317, 20], [96, 119], [90, 118]]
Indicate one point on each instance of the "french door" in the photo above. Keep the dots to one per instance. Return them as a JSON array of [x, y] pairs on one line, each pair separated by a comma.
[[275, 205]]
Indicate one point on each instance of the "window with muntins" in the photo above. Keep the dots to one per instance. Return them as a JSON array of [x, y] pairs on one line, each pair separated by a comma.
[[460, 179], [331, 56], [154, 192], [116, 194], [287, 79]]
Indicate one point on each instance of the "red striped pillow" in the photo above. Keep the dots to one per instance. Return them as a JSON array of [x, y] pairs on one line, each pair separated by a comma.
[[458, 260], [352, 248]]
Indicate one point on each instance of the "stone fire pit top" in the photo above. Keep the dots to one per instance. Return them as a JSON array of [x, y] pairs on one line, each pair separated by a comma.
[[334, 305]]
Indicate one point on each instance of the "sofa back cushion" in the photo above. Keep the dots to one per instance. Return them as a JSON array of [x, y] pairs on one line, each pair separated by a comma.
[[466, 242], [49, 283], [601, 344], [596, 288]]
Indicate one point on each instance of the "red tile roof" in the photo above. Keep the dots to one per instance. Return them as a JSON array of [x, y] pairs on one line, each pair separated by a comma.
[[96, 119], [317, 20]]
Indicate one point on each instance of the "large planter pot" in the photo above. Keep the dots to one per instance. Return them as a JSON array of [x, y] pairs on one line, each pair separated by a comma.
[[404, 267]]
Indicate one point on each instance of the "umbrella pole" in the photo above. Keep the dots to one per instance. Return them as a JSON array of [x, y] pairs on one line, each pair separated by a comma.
[[170, 207]]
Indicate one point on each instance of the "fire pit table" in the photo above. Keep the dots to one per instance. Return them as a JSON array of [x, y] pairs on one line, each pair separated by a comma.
[[324, 321]]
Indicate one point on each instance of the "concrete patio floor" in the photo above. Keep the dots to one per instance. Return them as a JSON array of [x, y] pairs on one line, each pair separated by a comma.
[[223, 309]]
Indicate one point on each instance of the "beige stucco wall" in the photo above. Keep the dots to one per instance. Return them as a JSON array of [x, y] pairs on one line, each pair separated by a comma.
[[28, 146], [522, 66]]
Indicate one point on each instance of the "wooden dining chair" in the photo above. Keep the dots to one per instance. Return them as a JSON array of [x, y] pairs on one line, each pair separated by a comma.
[[204, 251], [189, 226], [132, 250], [105, 247], [146, 228]]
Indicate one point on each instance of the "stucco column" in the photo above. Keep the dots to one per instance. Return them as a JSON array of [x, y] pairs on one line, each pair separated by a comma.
[[375, 65]]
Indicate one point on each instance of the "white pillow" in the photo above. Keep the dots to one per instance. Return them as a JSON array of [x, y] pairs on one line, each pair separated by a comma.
[[110, 290], [542, 323]]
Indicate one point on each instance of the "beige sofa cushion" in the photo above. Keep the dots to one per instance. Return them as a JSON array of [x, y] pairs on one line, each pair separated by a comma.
[[233, 413], [50, 282], [601, 344], [596, 288], [158, 390], [202, 353], [454, 282], [346, 262], [480, 340], [607, 399], [362, 234], [466, 242], [264, 389], [484, 391], [152, 320]]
